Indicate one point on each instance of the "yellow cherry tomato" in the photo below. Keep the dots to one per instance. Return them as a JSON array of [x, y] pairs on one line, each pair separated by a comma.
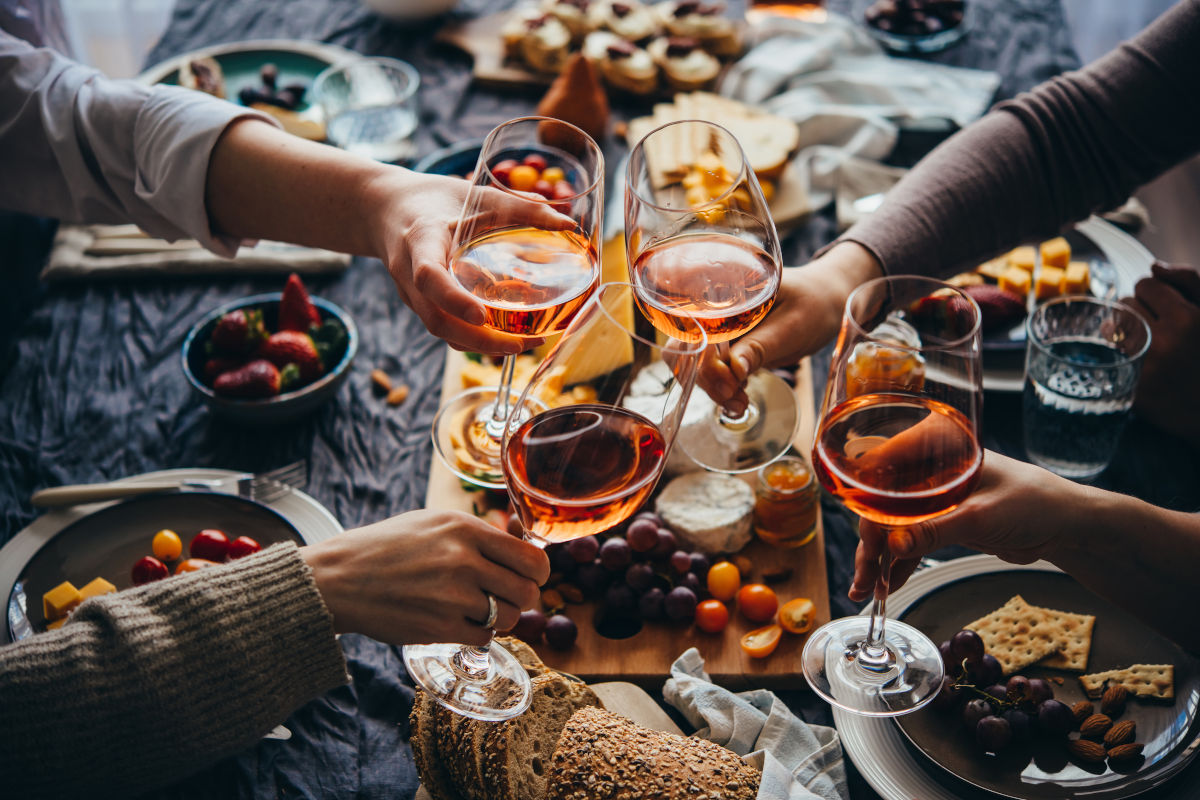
[[762, 642], [723, 580], [796, 616], [553, 174], [167, 545], [522, 178]]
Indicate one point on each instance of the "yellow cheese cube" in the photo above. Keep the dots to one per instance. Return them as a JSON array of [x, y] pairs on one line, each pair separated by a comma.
[[1056, 252], [59, 601], [1049, 283], [993, 269], [965, 279], [1023, 258], [1016, 280], [97, 587], [56, 624], [1078, 279]]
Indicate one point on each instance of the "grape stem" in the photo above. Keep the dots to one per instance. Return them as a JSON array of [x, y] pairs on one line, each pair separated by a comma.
[[961, 683]]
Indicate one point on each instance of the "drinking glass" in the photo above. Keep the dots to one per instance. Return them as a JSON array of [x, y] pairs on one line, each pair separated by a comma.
[[599, 417], [531, 281], [370, 106], [702, 246], [897, 443], [1083, 357]]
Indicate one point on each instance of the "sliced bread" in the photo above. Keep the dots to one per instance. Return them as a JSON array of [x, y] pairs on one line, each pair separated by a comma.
[[431, 767]]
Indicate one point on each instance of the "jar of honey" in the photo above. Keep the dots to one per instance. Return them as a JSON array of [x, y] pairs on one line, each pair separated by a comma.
[[786, 503]]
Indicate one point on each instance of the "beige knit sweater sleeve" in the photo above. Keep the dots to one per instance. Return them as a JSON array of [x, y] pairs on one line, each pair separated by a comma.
[[143, 687], [1076, 144]]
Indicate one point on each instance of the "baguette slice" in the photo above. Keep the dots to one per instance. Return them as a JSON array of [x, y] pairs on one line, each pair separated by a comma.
[[431, 766]]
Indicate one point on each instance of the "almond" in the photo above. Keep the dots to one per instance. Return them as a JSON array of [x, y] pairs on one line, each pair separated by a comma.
[[1082, 710], [552, 599], [1119, 734], [571, 593], [1125, 752], [1113, 701], [745, 566], [1095, 726], [1086, 750], [381, 381], [397, 395]]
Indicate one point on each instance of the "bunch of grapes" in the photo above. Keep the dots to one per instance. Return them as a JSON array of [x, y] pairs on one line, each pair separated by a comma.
[[998, 714]]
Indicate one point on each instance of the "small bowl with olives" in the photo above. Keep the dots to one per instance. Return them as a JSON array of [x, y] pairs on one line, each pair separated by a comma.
[[917, 26]]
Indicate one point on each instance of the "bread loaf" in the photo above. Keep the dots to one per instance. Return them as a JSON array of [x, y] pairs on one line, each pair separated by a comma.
[[601, 755], [430, 765]]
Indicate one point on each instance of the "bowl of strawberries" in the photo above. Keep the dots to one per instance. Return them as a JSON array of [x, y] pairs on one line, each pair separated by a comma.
[[270, 358]]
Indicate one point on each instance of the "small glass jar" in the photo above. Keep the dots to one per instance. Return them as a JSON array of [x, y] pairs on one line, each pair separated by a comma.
[[786, 503]]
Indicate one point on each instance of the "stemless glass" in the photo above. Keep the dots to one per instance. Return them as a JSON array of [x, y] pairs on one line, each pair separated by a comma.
[[702, 245], [898, 443], [531, 281], [598, 419]]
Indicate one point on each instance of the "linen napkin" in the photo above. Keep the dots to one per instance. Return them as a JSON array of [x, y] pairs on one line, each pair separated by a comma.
[[798, 761]]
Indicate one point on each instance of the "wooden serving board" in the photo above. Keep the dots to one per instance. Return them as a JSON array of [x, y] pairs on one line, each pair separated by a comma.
[[480, 39], [646, 657]]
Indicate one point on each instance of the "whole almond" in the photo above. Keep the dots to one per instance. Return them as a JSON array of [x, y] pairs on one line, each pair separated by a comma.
[[1082, 710], [1119, 734], [1086, 750], [571, 593], [1125, 752], [397, 395], [1095, 726], [381, 381], [552, 599], [1113, 701], [745, 566]]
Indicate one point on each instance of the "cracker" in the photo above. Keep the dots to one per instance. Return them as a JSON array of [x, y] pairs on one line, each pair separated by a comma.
[[1077, 628], [1018, 634], [1142, 680]]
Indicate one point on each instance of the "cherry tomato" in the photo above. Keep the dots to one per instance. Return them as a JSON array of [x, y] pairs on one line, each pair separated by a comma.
[[757, 602], [536, 161], [553, 174], [723, 580], [167, 545], [209, 544], [545, 189], [243, 546], [148, 569], [563, 191], [522, 178], [761, 642], [712, 616], [501, 169], [797, 615], [193, 564]]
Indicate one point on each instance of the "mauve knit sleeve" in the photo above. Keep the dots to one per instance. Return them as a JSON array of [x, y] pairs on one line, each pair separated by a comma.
[[142, 687], [1079, 143]]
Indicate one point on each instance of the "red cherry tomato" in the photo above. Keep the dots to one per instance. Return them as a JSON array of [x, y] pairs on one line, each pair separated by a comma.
[[545, 189], [243, 546], [563, 190], [193, 564], [757, 602], [536, 161], [502, 169], [712, 616], [210, 544], [149, 569]]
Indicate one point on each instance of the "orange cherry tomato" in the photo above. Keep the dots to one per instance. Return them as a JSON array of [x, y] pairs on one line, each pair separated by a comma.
[[167, 545], [797, 615], [762, 642], [723, 580], [193, 564], [712, 616], [757, 602], [523, 177]]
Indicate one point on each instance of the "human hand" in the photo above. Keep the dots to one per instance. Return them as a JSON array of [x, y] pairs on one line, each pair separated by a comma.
[[1169, 299], [1013, 513], [421, 577], [415, 222], [805, 317]]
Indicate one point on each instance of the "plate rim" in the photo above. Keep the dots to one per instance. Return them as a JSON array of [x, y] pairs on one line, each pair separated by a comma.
[[329, 53]]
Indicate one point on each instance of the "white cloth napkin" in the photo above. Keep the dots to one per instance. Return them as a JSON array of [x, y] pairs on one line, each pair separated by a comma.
[[798, 761], [846, 94]]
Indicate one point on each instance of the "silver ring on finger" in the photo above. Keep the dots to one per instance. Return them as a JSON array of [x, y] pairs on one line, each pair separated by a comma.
[[493, 611]]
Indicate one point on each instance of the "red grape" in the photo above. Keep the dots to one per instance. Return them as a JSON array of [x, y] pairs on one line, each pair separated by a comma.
[[966, 644], [639, 577], [560, 632], [530, 626], [976, 710], [993, 734], [700, 563], [1040, 691], [1055, 718], [680, 603], [681, 562], [1019, 723], [642, 535], [585, 549], [615, 554], [650, 604], [666, 543]]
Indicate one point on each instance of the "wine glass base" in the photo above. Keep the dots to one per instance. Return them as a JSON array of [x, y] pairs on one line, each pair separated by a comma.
[[463, 441], [907, 678], [502, 693], [763, 435]]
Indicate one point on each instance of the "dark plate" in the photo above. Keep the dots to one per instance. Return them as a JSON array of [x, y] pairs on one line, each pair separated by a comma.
[[456, 159], [1169, 730], [107, 543]]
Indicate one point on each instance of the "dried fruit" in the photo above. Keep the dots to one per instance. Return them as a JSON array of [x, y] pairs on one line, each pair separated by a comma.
[[776, 574], [552, 599], [1119, 734], [1086, 750], [1095, 726], [381, 381], [397, 395], [1125, 752], [1082, 710], [1113, 701], [571, 593]]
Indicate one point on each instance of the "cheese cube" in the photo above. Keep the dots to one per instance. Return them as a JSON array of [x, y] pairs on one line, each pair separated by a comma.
[[1023, 258], [1049, 283], [1016, 280], [59, 601], [96, 587], [1056, 252], [993, 269], [1078, 279], [56, 624]]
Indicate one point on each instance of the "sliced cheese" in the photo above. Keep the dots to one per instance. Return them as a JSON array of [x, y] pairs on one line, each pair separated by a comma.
[[605, 345], [709, 511]]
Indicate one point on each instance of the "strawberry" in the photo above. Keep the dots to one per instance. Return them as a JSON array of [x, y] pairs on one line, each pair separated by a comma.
[[296, 311], [238, 332], [218, 365], [293, 347], [259, 378]]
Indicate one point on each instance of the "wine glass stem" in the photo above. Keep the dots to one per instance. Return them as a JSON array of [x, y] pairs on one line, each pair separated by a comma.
[[503, 404], [750, 412], [473, 661], [873, 654]]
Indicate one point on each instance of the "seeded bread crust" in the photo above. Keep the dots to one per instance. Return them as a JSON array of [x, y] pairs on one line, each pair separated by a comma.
[[431, 766], [456, 746], [604, 756]]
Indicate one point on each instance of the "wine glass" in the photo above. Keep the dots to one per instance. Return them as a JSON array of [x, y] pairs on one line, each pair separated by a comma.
[[897, 443], [702, 245], [582, 451], [531, 281]]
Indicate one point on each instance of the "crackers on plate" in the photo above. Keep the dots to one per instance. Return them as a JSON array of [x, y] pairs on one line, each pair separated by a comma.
[[1018, 634], [1142, 680]]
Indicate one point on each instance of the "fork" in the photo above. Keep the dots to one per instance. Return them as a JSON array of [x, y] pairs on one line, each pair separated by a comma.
[[263, 487]]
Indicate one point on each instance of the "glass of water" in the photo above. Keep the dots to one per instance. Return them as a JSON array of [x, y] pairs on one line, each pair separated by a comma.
[[1082, 360], [370, 106]]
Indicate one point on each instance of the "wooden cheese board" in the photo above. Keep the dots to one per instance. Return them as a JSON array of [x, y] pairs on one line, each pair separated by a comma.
[[646, 657]]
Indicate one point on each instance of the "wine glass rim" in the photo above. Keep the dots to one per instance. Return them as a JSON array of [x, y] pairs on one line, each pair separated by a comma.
[[687, 347], [743, 171], [949, 344], [534, 196]]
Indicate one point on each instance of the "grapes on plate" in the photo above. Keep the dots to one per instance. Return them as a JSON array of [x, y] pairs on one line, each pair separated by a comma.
[[1055, 718], [966, 645], [976, 710], [993, 734]]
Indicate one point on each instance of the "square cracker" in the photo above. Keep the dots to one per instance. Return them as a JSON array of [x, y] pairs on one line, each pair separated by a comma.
[[1077, 628], [1143, 680], [1018, 634]]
